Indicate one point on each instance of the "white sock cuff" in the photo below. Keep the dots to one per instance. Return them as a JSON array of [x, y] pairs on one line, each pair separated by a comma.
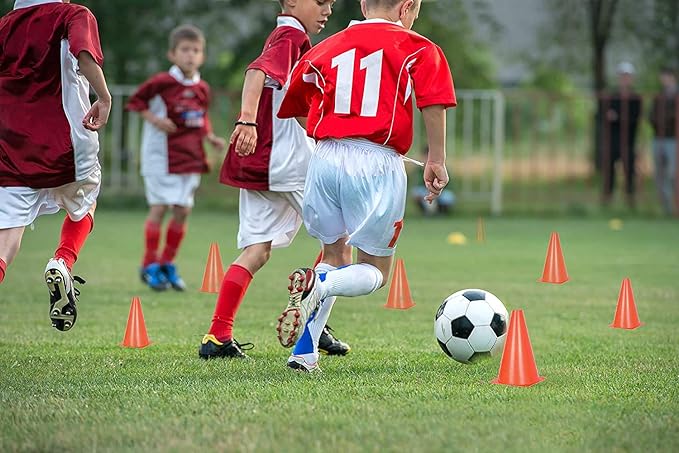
[[377, 274], [324, 267]]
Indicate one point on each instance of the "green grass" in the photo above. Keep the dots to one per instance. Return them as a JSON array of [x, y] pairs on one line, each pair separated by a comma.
[[605, 389]]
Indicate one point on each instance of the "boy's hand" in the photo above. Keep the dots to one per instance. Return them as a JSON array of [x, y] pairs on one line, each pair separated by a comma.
[[216, 142], [435, 179], [166, 125], [245, 138], [97, 116]]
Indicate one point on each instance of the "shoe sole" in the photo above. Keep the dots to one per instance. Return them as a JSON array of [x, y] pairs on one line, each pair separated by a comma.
[[341, 353], [56, 285], [299, 368], [289, 321]]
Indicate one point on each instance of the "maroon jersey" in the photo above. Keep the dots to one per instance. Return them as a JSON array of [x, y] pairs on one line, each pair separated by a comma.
[[185, 102], [282, 153], [43, 98], [359, 82]]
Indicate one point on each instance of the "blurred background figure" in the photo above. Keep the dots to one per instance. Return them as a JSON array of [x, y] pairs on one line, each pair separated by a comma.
[[663, 116], [620, 112]]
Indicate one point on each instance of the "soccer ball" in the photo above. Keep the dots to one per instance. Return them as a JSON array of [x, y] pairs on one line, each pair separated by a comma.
[[471, 324]]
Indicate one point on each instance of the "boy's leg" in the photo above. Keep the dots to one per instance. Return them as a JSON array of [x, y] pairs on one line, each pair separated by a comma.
[[219, 340], [176, 230], [150, 268], [10, 242], [73, 237]]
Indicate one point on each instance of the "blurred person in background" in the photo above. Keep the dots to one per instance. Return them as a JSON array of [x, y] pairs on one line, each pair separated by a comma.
[[619, 113], [664, 117]]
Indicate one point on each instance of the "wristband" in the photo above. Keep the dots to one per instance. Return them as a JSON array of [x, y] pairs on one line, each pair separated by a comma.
[[245, 123]]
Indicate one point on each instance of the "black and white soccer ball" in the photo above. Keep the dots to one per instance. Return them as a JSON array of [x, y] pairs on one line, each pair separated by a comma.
[[471, 324]]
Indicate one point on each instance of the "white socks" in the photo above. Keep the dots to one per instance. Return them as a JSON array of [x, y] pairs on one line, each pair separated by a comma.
[[350, 281]]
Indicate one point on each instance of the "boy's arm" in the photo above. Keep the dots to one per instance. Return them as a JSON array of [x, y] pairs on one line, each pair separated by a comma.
[[435, 172], [245, 136], [97, 116]]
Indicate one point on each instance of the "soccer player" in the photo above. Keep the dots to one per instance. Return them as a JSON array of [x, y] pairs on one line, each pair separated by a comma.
[[355, 89], [267, 160], [174, 105], [50, 55]]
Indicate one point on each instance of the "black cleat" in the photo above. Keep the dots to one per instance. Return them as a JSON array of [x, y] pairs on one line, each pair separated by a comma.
[[330, 345], [63, 294], [211, 348], [298, 363]]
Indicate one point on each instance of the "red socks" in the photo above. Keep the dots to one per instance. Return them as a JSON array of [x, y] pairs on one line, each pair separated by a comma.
[[73, 236], [231, 293], [152, 238], [3, 269], [175, 234]]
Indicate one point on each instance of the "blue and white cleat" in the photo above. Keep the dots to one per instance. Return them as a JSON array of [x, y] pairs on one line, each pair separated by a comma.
[[153, 276], [169, 270]]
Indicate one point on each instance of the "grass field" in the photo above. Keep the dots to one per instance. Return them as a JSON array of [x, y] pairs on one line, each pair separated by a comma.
[[605, 389]]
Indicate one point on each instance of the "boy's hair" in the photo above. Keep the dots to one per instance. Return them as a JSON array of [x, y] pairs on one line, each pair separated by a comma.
[[185, 33]]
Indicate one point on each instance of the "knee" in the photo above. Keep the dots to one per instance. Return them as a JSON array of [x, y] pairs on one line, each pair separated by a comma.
[[180, 214]]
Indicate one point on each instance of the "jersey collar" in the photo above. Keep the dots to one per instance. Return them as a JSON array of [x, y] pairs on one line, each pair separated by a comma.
[[286, 20], [375, 21], [18, 4], [179, 76]]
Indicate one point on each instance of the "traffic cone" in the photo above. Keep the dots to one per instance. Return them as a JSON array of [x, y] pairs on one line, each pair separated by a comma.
[[480, 230], [555, 266], [135, 333], [214, 271], [399, 291], [518, 364], [626, 316]]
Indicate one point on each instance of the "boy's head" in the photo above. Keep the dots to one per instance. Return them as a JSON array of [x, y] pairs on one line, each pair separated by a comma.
[[404, 10], [312, 13], [187, 49]]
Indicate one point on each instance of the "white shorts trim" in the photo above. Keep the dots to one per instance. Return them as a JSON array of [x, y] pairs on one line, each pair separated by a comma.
[[269, 216], [355, 188], [20, 206], [171, 189]]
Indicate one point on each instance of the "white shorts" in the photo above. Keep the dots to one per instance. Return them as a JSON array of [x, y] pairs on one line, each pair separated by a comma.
[[171, 189], [269, 216], [20, 206], [355, 188]]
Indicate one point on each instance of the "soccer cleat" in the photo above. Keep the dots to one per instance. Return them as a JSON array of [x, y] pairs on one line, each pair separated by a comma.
[[153, 276], [169, 270], [211, 348], [298, 363], [302, 302], [329, 345], [63, 294]]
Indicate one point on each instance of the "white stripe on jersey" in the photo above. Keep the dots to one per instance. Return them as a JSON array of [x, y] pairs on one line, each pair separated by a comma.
[[154, 158], [75, 90]]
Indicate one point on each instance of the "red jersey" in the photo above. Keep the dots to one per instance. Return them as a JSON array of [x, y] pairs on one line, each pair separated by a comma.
[[282, 152], [185, 102], [358, 83], [43, 98]]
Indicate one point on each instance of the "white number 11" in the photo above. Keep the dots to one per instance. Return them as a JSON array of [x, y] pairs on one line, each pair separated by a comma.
[[345, 78]]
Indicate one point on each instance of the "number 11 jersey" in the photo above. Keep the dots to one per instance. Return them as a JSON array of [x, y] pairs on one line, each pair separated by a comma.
[[358, 84]]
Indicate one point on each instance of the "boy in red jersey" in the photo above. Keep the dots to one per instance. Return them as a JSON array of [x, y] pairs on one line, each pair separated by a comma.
[[49, 56], [355, 90], [267, 160], [174, 105]]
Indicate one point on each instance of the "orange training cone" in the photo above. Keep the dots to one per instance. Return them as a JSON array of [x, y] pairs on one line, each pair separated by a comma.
[[480, 230], [135, 333], [555, 267], [214, 271], [518, 364], [399, 292], [626, 316]]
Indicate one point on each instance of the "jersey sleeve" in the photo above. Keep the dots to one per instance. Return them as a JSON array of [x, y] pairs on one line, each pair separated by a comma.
[[278, 59], [83, 34], [432, 81], [304, 84], [139, 101]]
